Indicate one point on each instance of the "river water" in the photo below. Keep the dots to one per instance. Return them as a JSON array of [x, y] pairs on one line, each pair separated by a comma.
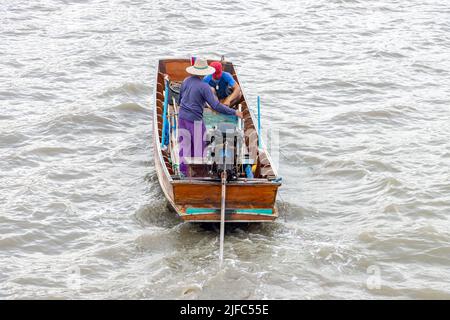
[[359, 92]]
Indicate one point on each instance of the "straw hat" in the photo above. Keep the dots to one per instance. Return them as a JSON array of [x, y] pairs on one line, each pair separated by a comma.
[[200, 68]]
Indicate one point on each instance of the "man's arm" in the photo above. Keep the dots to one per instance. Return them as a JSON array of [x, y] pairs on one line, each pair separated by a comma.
[[234, 95], [215, 104]]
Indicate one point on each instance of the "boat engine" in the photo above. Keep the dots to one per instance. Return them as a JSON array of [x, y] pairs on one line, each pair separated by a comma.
[[224, 143], [174, 91]]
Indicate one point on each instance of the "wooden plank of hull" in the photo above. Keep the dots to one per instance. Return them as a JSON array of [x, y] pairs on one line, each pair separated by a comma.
[[208, 195], [161, 170], [231, 215], [163, 178], [177, 69], [229, 218]]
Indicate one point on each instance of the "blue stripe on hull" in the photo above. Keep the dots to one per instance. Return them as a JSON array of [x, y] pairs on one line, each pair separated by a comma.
[[237, 211]]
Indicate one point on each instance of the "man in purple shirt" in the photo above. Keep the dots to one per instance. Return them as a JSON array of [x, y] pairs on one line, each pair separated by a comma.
[[194, 93]]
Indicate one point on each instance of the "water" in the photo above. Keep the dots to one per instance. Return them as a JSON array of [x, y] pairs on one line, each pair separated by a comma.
[[359, 91]]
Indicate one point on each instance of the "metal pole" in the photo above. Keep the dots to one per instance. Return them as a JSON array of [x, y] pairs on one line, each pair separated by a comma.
[[173, 136], [259, 122], [240, 120], [241, 140], [222, 217], [166, 102]]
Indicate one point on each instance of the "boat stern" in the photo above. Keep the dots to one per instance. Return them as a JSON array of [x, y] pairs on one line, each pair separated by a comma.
[[200, 201]]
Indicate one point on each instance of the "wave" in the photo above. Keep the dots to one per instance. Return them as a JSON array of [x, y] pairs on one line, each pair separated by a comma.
[[51, 151], [130, 107], [392, 115], [158, 213], [127, 89], [86, 123], [10, 140]]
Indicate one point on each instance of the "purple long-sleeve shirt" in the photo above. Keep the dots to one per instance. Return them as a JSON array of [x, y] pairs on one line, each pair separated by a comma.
[[193, 95]]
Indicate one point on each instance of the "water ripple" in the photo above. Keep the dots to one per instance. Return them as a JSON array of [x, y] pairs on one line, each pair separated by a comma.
[[357, 89]]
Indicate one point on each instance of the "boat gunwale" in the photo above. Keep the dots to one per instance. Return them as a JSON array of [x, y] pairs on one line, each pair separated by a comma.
[[155, 125], [230, 183]]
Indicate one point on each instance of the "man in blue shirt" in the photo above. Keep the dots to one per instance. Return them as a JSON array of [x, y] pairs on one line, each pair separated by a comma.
[[224, 86]]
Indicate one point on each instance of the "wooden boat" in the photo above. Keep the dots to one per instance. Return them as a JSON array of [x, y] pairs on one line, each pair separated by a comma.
[[197, 198]]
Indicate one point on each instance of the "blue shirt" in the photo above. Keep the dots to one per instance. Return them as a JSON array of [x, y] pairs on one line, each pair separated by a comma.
[[193, 95], [225, 76]]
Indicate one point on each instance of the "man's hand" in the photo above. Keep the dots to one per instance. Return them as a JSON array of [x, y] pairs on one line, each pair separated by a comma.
[[239, 114]]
